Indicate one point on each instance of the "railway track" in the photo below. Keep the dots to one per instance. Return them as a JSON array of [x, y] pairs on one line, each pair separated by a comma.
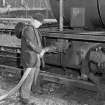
[[48, 76], [8, 64], [54, 77]]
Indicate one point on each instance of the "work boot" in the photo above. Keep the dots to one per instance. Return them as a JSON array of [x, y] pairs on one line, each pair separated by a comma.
[[26, 101], [83, 77]]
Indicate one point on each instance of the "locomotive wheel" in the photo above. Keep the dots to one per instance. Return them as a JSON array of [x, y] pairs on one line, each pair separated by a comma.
[[98, 80], [93, 68]]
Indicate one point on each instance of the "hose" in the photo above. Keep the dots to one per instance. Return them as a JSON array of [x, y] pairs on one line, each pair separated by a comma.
[[11, 92], [27, 72]]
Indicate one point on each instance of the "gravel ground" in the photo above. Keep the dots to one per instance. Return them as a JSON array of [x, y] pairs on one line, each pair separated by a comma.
[[52, 94]]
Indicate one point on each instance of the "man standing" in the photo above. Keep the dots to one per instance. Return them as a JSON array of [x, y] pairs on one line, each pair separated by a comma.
[[30, 47]]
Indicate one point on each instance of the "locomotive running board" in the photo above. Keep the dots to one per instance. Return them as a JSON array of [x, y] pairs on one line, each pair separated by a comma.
[[61, 79]]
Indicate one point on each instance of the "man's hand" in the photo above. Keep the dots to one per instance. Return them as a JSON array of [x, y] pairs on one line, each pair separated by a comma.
[[46, 49]]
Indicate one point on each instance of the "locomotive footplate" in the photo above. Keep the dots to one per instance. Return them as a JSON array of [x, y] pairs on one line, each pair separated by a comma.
[[88, 36]]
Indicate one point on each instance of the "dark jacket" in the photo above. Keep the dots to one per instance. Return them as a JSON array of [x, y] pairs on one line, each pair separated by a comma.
[[28, 55]]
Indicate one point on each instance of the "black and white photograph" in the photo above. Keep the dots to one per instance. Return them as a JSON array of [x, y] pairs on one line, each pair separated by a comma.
[[52, 52]]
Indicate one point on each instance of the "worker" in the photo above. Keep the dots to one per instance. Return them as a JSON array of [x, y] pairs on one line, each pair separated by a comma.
[[29, 50]]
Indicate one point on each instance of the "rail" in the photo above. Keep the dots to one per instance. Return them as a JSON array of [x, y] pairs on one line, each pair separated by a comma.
[[61, 79]]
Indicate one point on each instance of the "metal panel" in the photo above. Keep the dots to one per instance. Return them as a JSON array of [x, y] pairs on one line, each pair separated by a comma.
[[94, 11]]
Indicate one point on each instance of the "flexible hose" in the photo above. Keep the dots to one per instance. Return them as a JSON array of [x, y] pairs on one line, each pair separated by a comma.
[[11, 92], [27, 72]]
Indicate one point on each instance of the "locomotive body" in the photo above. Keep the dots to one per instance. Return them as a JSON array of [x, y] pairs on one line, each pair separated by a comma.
[[91, 12], [81, 45], [83, 34]]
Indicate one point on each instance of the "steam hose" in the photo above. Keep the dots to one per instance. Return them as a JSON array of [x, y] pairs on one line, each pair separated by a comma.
[[11, 92], [27, 72]]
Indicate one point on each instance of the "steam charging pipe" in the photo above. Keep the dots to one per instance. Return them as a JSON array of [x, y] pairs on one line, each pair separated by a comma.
[[61, 13]]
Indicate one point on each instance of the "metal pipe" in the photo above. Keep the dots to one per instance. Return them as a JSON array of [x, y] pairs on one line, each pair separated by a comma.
[[22, 2], [61, 15], [4, 2]]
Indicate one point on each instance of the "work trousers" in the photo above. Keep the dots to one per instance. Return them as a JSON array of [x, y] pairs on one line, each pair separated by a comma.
[[25, 89]]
